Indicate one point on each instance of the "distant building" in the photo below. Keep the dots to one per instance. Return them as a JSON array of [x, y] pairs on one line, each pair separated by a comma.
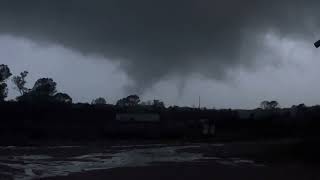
[[208, 127], [138, 117]]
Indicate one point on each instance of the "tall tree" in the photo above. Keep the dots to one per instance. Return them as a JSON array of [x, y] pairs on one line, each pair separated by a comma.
[[20, 82], [4, 75], [43, 90], [4, 72]]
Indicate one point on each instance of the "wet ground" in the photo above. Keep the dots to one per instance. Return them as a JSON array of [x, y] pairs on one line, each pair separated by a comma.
[[242, 160]]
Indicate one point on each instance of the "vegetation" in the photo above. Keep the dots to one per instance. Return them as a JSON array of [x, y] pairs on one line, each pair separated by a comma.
[[44, 90], [4, 75], [269, 105], [130, 101], [63, 98], [20, 82], [99, 101], [42, 111]]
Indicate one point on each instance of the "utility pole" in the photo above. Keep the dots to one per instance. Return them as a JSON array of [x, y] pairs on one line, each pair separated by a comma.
[[199, 102]]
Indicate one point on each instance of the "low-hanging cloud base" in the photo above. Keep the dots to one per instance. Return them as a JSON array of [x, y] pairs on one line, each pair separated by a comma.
[[154, 40]]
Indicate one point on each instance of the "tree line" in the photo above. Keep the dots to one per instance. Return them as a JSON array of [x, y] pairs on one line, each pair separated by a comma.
[[44, 90]]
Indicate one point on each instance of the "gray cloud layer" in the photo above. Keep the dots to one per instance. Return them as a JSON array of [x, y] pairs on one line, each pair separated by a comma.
[[154, 39]]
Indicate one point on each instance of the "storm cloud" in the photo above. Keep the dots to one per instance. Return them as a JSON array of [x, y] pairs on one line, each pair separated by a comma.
[[156, 39]]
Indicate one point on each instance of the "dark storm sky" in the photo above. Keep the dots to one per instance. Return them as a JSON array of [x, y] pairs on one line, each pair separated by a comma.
[[169, 49]]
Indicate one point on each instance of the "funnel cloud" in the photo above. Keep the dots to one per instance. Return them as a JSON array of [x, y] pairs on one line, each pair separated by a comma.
[[154, 40]]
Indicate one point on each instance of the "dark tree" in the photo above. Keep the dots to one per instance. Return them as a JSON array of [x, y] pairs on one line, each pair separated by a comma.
[[4, 72], [45, 86], [132, 100], [122, 102], [20, 82], [99, 101], [269, 105], [43, 91], [4, 75], [302, 106], [63, 98], [274, 105], [3, 91]]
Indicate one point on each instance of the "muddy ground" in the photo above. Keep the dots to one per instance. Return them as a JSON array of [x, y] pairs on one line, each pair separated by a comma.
[[272, 159]]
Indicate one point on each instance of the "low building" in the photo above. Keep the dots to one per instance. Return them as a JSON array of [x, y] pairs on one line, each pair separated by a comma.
[[138, 117]]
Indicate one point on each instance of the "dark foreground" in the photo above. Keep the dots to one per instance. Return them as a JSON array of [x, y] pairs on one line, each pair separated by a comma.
[[281, 159], [203, 171]]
